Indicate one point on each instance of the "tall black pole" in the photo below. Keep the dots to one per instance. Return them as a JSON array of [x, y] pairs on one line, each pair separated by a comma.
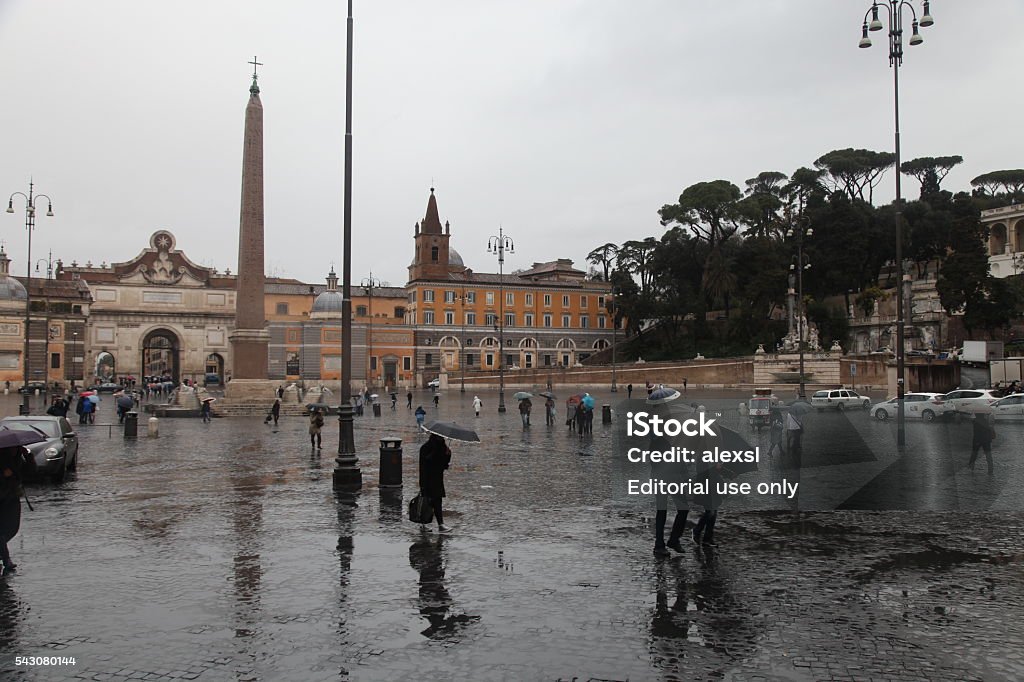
[[346, 471], [615, 386], [30, 223], [501, 326], [800, 309], [462, 342]]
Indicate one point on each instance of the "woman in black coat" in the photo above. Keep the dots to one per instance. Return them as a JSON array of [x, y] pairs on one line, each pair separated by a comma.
[[434, 459], [15, 463]]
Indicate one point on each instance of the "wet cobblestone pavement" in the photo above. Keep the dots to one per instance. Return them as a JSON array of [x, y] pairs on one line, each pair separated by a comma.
[[219, 552]]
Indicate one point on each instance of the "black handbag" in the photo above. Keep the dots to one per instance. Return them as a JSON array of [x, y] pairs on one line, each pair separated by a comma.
[[421, 510]]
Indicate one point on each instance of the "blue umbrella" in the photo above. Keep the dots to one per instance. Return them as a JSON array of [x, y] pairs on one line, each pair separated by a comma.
[[588, 401]]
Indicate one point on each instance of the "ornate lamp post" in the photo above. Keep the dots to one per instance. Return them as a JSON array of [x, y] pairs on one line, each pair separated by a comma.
[[797, 267], [462, 341], [894, 10], [499, 244], [369, 283], [30, 222], [346, 472], [615, 387]]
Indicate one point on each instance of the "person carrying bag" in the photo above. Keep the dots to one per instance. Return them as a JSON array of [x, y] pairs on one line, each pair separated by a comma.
[[15, 463]]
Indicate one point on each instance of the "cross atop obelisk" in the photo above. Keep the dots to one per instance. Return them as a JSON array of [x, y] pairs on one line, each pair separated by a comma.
[[254, 88]]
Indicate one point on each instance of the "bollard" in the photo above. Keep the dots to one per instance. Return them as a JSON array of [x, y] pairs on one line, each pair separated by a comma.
[[131, 424], [606, 414], [153, 429], [376, 409], [23, 410], [390, 462]]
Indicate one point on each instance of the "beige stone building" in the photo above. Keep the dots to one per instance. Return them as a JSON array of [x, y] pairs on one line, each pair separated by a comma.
[[1006, 239], [157, 314]]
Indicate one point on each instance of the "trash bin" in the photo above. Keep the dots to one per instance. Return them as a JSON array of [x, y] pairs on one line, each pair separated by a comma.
[[131, 424], [606, 414], [376, 409], [390, 462]]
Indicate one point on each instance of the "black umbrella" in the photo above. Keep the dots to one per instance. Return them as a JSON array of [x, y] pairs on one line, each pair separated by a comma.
[[547, 394], [799, 407], [662, 395], [453, 431], [12, 438], [125, 401], [724, 439]]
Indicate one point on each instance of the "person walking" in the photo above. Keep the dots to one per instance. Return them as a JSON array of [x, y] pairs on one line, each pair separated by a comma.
[[776, 433], [421, 415], [669, 472], [650, 389], [89, 411], [984, 434], [524, 411], [711, 501], [549, 411], [204, 411], [477, 404], [15, 464], [571, 410], [629, 391], [684, 384], [437, 399], [275, 411], [435, 456], [394, 401], [316, 423], [80, 409], [408, 400]]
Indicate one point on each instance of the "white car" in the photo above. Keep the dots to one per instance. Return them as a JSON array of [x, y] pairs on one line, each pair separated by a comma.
[[434, 383], [967, 400], [915, 406], [839, 399], [1010, 407]]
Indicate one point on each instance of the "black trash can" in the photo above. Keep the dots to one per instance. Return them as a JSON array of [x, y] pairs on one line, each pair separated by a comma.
[[606, 414], [390, 462], [131, 424], [376, 409]]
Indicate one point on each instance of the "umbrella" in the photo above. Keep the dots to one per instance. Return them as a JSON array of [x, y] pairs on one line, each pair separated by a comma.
[[86, 394], [523, 395], [453, 431], [546, 394], [799, 407], [125, 401], [209, 400], [318, 406], [93, 398], [588, 401], [374, 396], [574, 399], [724, 439], [12, 438], [662, 395]]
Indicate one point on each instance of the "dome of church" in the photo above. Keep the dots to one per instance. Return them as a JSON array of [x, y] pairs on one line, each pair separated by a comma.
[[11, 289], [328, 302], [454, 259]]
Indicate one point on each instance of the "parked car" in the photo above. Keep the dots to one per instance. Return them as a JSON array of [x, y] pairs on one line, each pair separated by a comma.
[[33, 386], [839, 399], [58, 454], [915, 406], [105, 387], [967, 400], [434, 383], [1010, 407], [212, 379]]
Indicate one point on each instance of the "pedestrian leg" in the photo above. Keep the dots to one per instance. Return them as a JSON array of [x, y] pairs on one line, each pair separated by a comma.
[[974, 454], [988, 456], [435, 502]]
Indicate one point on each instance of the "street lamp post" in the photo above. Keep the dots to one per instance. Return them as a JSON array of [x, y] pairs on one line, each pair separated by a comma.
[[30, 221], [802, 230], [346, 471], [499, 244], [615, 387], [369, 283], [74, 356], [462, 342], [894, 12]]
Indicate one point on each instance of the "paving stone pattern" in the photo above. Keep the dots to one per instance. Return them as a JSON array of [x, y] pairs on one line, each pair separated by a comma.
[[219, 552]]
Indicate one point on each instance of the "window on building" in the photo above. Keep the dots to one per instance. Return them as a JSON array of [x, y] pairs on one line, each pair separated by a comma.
[[490, 359], [373, 363], [511, 360], [360, 311], [470, 359], [449, 297], [412, 297], [583, 301], [510, 298], [566, 320], [510, 319], [428, 295], [428, 317], [399, 312], [565, 301], [528, 320], [470, 297], [547, 320], [429, 359], [601, 322], [547, 300], [547, 360], [449, 317], [407, 363], [529, 299], [433, 253], [54, 360], [491, 319], [281, 309], [584, 322], [489, 298], [600, 302], [470, 318]]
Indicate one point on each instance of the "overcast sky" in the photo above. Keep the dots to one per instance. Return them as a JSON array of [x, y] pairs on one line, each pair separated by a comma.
[[569, 122]]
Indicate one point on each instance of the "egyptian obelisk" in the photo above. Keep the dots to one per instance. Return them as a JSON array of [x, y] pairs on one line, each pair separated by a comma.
[[250, 338]]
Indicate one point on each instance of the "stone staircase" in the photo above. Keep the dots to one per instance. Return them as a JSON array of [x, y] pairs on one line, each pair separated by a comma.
[[255, 409]]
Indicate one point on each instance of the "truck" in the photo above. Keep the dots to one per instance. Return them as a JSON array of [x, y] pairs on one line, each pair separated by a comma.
[[1005, 371], [980, 352], [759, 407]]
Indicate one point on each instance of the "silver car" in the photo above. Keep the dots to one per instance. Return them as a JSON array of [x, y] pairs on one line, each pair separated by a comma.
[[915, 406], [839, 399], [56, 455], [1010, 407]]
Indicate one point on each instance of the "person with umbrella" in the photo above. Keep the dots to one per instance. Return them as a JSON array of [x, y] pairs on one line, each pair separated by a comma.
[[588, 413], [435, 456], [275, 411], [408, 400], [549, 409], [524, 411], [394, 400], [477, 404], [421, 415], [437, 399], [316, 422], [204, 410], [629, 391], [983, 435], [15, 463], [124, 403]]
